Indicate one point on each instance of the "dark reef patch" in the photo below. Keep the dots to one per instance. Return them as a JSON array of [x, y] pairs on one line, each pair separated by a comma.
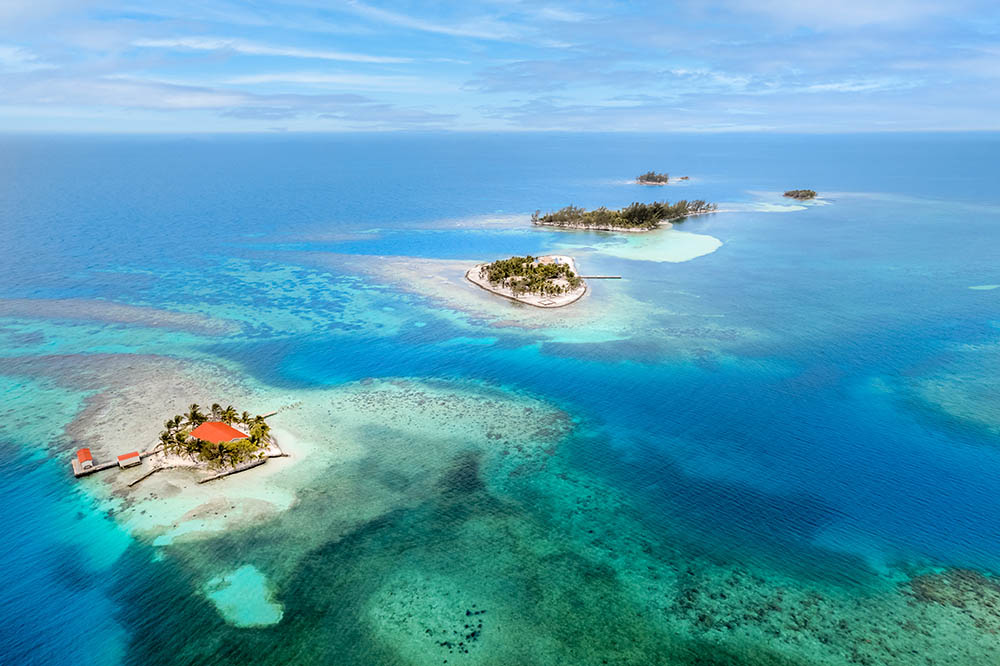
[[975, 594]]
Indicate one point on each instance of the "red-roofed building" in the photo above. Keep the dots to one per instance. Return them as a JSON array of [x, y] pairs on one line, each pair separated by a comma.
[[217, 432], [129, 459], [85, 459]]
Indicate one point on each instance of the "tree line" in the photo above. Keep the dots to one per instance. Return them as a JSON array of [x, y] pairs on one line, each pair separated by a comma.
[[176, 437], [634, 216], [653, 177]]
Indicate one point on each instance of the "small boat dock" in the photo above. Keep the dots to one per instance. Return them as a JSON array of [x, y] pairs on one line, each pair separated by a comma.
[[601, 277]]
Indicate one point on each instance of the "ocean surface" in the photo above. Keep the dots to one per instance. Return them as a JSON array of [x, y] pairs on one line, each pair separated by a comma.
[[775, 441]]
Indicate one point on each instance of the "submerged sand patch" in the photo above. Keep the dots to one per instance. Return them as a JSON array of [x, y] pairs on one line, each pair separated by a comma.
[[665, 245], [964, 388], [383, 441], [613, 315], [244, 598], [610, 316]]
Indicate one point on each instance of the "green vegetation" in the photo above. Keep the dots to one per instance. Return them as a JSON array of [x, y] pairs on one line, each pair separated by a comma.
[[801, 194], [526, 275], [653, 178], [634, 216], [176, 437]]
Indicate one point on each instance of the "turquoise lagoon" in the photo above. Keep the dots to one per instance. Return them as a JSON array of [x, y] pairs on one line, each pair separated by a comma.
[[775, 441]]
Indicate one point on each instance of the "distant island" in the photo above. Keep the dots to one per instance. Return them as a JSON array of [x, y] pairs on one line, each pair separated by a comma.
[[545, 282], [801, 194], [653, 178], [635, 217]]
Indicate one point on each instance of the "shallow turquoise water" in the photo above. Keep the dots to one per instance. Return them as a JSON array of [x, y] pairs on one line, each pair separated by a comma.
[[794, 401]]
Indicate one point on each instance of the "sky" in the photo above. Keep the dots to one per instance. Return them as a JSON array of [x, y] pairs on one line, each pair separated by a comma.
[[499, 65]]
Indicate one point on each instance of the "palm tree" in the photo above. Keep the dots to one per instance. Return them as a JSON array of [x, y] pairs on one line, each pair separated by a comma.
[[180, 442], [228, 415], [216, 411], [245, 417], [166, 441], [259, 432], [194, 417]]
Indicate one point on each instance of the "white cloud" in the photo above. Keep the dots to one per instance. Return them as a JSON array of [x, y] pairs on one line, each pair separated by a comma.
[[241, 13], [858, 85], [822, 14], [560, 14], [480, 29], [254, 48], [25, 11], [17, 59], [354, 81], [122, 92]]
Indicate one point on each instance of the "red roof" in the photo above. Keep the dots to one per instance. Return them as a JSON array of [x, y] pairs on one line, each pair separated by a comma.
[[83, 455], [217, 432], [126, 456]]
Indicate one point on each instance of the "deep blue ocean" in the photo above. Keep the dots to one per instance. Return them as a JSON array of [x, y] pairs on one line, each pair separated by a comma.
[[817, 398]]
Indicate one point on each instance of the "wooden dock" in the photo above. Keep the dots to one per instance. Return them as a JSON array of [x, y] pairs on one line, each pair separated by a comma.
[[145, 476], [242, 467], [601, 277], [79, 471]]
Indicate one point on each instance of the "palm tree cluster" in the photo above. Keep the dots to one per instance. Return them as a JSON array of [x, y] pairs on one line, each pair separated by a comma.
[[176, 436], [653, 177], [801, 194], [634, 216], [525, 275]]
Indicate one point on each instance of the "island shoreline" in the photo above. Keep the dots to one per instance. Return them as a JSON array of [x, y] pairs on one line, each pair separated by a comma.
[[472, 275]]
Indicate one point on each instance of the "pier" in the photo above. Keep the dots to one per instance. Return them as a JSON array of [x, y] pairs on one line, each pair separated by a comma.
[[601, 277], [242, 467]]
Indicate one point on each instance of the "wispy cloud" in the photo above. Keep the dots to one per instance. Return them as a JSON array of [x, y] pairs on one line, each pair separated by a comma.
[[533, 64], [137, 93], [858, 85], [482, 28], [819, 14], [257, 49], [345, 80], [17, 59]]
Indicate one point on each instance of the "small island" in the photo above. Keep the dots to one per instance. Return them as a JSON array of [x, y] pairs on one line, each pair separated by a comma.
[[213, 441], [653, 178], [545, 282], [196, 441], [635, 217], [801, 194]]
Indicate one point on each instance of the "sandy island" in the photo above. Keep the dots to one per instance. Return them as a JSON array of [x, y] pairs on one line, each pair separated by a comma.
[[538, 300], [662, 224]]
